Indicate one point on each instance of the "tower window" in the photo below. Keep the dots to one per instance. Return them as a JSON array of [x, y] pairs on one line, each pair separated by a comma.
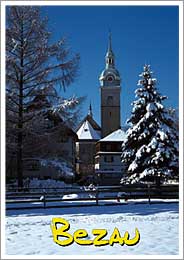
[[109, 100], [110, 61]]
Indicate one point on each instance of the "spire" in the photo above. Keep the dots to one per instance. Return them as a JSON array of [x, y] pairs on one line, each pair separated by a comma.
[[110, 55], [110, 42], [110, 74], [90, 110]]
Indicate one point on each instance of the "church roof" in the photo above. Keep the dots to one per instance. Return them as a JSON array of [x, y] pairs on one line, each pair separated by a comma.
[[87, 132], [109, 71], [90, 119], [116, 136]]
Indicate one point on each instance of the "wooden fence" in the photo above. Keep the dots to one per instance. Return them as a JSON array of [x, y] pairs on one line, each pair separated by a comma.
[[49, 197]]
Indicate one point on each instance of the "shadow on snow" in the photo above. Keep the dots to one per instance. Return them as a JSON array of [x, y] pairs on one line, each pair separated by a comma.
[[133, 209]]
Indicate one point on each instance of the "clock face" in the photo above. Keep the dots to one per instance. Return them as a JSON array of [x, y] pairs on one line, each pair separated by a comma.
[[110, 78]]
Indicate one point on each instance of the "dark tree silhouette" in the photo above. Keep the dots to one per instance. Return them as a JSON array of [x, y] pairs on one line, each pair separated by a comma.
[[34, 68]]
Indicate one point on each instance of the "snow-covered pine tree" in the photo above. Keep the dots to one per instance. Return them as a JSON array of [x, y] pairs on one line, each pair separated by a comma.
[[34, 64], [150, 151]]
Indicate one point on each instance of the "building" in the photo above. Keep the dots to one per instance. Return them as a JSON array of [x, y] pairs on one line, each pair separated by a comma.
[[57, 145], [88, 132], [108, 166], [61, 155], [110, 94], [99, 149]]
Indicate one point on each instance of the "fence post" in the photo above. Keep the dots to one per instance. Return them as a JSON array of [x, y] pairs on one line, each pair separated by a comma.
[[149, 198], [97, 196], [44, 200]]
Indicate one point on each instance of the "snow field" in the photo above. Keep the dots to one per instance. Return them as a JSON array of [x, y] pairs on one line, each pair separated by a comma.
[[28, 232]]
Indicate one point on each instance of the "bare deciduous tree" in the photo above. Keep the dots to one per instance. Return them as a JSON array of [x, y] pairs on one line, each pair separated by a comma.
[[34, 67]]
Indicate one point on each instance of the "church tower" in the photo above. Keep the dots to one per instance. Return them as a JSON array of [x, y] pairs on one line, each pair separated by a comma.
[[110, 94]]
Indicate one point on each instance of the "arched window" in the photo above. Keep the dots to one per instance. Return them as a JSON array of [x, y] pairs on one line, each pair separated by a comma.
[[109, 100]]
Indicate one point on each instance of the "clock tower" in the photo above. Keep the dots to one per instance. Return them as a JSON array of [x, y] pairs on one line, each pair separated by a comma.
[[110, 94]]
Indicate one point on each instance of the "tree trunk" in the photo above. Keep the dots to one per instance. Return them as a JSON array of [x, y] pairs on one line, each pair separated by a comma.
[[19, 161], [20, 122], [20, 128]]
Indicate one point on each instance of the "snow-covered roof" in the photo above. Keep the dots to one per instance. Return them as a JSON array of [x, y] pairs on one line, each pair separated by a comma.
[[116, 136], [91, 120], [87, 132]]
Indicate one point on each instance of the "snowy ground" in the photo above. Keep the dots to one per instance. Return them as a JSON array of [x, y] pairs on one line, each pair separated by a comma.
[[28, 232], [37, 183]]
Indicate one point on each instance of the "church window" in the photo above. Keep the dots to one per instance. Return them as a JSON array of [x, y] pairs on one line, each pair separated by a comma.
[[110, 100]]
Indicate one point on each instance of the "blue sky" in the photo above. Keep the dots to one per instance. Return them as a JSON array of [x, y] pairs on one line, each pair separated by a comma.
[[140, 34]]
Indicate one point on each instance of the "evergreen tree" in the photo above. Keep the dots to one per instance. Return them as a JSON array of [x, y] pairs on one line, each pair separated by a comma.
[[150, 151], [34, 67]]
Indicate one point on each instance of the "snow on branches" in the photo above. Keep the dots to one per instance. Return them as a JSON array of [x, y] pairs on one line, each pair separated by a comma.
[[60, 165], [151, 147], [36, 69]]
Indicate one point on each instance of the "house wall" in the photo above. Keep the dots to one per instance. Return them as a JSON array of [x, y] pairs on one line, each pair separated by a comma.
[[64, 148], [108, 162], [108, 147], [68, 150], [108, 166], [85, 153]]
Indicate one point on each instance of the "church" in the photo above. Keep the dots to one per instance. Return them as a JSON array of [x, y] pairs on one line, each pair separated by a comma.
[[98, 148]]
